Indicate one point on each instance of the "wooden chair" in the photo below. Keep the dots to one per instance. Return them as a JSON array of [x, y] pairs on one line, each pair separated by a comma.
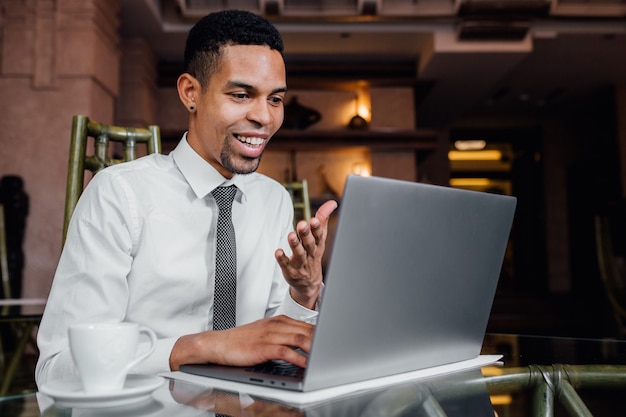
[[103, 135], [299, 191], [612, 271]]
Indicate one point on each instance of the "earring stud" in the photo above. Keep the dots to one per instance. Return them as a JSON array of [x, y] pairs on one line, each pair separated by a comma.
[[192, 108]]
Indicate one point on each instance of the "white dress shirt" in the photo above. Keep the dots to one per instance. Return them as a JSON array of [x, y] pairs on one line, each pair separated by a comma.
[[141, 248]]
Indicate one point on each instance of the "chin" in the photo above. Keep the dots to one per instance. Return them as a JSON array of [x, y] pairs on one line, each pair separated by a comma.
[[242, 168]]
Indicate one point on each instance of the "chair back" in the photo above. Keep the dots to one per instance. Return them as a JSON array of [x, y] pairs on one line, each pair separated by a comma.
[[612, 271], [299, 191], [103, 136]]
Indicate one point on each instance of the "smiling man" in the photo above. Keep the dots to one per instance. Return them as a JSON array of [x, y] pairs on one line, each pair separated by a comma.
[[235, 113], [141, 243]]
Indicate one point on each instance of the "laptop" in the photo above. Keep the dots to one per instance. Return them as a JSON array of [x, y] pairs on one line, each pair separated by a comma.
[[410, 284]]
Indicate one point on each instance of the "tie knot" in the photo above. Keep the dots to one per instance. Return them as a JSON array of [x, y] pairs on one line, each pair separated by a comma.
[[224, 196]]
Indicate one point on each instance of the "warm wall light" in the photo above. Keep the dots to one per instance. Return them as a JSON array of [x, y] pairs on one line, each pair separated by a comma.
[[470, 145], [362, 108], [486, 155], [469, 182], [364, 111], [363, 101], [362, 169]]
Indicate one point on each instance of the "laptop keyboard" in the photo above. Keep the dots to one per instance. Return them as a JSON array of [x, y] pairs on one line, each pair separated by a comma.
[[278, 368]]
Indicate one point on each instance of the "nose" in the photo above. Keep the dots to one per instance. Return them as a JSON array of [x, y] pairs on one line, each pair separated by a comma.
[[261, 112]]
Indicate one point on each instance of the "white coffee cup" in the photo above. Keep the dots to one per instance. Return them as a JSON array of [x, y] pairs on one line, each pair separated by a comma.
[[104, 353]]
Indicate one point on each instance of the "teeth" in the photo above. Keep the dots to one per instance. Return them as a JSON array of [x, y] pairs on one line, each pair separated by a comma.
[[250, 140]]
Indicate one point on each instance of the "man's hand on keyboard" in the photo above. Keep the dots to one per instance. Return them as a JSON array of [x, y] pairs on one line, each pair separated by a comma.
[[274, 338]]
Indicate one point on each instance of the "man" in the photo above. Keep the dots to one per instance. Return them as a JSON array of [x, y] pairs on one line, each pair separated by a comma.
[[141, 242]]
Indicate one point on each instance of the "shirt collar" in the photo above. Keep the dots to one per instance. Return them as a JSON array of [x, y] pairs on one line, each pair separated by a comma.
[[202, 176]]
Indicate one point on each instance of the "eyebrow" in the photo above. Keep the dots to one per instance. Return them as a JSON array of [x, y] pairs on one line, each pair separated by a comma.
[[249, 87]]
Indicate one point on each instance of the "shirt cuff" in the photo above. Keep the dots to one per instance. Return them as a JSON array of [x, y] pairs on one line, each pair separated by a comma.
[[159, 360], [296, 311]]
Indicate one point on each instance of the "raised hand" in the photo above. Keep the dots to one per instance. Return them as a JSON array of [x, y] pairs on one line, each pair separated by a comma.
[[303, 270]]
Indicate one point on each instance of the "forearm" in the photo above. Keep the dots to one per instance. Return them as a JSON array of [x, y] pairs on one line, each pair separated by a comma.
[[59, 366], [191, 348]]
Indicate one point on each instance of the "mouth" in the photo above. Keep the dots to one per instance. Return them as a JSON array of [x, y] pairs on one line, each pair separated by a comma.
[[253, 141]]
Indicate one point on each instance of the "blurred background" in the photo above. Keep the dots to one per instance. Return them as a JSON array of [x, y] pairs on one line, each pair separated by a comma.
[[520, 97]]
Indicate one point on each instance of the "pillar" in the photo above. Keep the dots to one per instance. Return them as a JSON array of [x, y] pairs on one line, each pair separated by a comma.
[[57, 58]]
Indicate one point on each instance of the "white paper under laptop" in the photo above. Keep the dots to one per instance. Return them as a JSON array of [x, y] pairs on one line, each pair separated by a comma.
[[410, 284], [302, 399]]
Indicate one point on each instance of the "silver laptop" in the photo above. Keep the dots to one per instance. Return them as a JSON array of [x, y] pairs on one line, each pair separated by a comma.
[[410, 284]]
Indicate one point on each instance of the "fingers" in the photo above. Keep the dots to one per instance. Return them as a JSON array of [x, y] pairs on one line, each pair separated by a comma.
[[300, 240], [287, 331], [283, 336], [302, 243], [292, 356], [289, 265], [308, 240], [281, 258], [319, 223], [325, 210], [312, 233], [308, 236], [279, 336]]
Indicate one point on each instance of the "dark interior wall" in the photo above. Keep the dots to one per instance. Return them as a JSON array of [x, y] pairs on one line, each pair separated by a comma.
[[592, 186], [565, 170]]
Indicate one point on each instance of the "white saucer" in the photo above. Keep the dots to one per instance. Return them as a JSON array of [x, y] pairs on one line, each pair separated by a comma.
[[69, 393]]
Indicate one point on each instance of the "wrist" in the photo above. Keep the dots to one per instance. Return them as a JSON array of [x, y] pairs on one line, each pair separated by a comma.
[[187, 350], [307, 296]]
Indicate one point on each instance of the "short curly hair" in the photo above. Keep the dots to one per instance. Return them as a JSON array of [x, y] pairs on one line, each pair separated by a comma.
[[210, 34]]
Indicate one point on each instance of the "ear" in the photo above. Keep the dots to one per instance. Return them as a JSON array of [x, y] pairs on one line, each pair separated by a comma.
[[188, 90]]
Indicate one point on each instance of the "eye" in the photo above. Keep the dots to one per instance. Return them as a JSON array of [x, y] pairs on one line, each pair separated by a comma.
[[276, 100], [240, 96]]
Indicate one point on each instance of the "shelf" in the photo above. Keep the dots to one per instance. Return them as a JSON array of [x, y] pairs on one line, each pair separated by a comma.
[[375, 139]]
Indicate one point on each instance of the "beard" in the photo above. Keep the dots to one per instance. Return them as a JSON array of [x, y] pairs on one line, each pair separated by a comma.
[[238, 164]]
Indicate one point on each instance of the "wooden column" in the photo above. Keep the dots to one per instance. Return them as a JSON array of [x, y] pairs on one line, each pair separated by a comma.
[[57, 58], [138, 92]]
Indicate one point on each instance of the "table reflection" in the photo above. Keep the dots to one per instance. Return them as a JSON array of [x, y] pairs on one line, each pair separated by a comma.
[[542, 376], [442, 396], [454, 395]]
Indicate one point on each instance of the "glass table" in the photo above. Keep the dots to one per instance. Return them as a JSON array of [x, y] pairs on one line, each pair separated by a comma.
[[18, 318], [541, 376]]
